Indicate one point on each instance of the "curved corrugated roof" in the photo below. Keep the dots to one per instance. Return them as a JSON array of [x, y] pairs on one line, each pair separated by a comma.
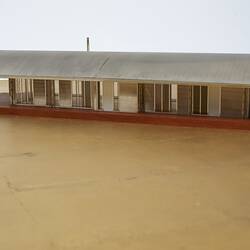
[[183, 67]]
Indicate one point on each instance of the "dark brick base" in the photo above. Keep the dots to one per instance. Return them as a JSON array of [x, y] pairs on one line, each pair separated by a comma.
[[149, 118]]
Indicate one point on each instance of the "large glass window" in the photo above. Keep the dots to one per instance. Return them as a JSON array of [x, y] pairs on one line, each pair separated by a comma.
[[81, 94], [157, 97]]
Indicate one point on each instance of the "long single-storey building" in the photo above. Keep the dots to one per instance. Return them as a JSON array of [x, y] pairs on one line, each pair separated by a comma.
[[158, 84]]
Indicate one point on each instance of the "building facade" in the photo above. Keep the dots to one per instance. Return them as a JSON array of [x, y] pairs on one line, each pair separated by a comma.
[[216, 85], [181, 99]]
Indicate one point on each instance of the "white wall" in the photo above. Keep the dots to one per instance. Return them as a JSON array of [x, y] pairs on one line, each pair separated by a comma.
[[128, 101], [4, 86], [108, 88]]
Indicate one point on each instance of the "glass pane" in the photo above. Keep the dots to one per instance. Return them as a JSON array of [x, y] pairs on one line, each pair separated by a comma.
[[18, 94], [87, 95], [30, 92], [196, 99], [77, 99], [166, 97], [100, 94], [141, 97], [56, 92], [204, 100], [149, 97], [50, 98], [157, 97]]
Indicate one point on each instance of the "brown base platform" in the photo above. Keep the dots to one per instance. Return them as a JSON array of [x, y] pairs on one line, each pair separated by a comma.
[[149, 118]]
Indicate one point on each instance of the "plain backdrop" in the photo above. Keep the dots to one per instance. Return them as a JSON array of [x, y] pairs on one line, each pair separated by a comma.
[[126, 25]]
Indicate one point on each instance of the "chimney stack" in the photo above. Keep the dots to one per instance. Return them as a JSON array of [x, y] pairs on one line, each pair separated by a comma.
[[88, 45]]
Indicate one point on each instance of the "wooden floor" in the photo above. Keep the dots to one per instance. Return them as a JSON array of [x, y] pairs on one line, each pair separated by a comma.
[[89, 185], [149, 118]]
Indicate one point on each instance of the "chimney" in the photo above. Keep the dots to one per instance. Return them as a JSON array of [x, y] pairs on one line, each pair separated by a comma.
[[88, 45]]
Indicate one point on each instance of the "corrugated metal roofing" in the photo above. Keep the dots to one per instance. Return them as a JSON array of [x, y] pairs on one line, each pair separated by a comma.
[[178, 67]]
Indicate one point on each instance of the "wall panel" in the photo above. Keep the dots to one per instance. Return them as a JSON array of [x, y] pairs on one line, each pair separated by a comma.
[[128, 101], [232, 102]]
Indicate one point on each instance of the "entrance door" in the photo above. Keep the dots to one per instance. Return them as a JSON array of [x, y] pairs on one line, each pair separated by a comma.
[[184, 94], [65, 93], [39, 90], [146, 97]]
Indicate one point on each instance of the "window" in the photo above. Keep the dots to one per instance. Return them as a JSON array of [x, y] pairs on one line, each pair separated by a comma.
[[157, 97], [77, 98], [23, 91], [81, 94], [166, 98]]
